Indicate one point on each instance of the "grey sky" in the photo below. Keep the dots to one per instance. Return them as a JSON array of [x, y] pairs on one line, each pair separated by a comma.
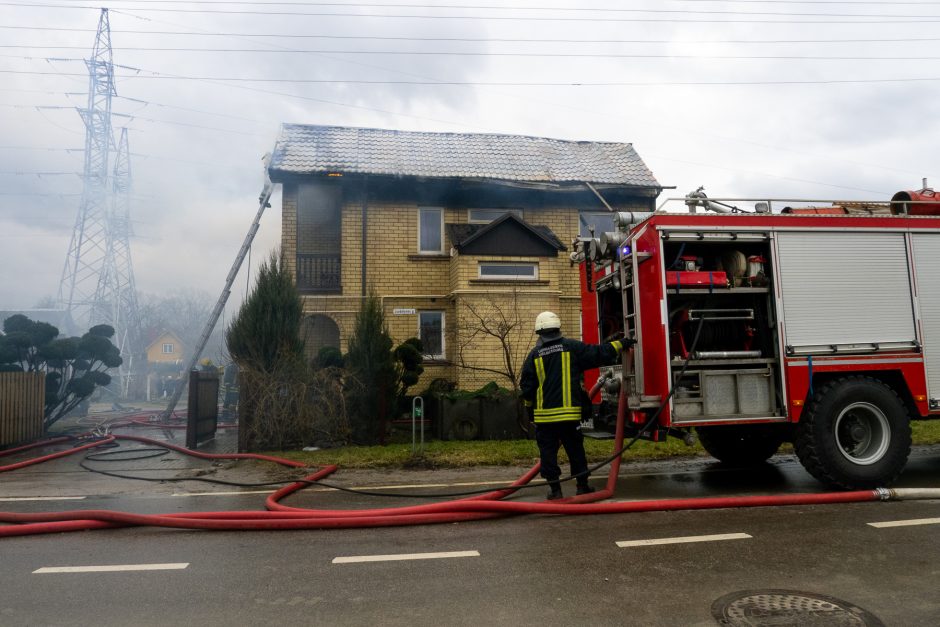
[[197, 144]]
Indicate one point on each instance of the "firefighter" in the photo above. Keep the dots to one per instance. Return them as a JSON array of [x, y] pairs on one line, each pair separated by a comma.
[[552, 393]]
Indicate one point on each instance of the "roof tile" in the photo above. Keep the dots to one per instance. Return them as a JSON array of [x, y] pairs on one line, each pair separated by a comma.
[[308, 149]]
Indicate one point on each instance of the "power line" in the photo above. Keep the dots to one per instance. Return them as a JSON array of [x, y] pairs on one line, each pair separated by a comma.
[[151, 74], [484, 39], [505, 7], [863, 19], [460, 53]]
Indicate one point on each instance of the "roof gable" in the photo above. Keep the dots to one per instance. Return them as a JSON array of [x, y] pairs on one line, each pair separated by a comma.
[[312, 149], [507, 236], [163, 336]]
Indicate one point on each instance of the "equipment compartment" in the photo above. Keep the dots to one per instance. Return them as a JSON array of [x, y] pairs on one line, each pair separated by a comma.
[[723, 333]]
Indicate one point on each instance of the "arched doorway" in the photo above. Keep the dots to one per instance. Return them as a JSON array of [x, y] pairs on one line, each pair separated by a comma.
[[319, 331]]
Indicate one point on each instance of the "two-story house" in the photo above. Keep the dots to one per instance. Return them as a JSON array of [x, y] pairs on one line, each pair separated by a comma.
[[458, 234]]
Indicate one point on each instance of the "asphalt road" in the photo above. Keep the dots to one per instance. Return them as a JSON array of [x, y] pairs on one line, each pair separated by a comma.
[[533, 570]]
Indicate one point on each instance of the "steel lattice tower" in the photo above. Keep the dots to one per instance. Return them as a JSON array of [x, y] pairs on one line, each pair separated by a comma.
[[97, 284], [116, 296]]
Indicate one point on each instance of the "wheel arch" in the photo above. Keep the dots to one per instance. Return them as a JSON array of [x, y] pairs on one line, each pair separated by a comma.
[[892, 378]]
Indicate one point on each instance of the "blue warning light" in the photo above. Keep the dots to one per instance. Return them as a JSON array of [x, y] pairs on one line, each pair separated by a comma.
[[625, 250]]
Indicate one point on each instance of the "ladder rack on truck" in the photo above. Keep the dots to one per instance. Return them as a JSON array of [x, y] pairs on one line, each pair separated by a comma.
[[818, 325]]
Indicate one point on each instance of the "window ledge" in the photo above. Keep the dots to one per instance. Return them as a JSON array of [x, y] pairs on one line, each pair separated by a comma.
[[512, 281], [430, 257], [437, 362]]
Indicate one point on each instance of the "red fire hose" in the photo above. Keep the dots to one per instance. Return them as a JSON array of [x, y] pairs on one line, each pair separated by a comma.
[[489, 505]]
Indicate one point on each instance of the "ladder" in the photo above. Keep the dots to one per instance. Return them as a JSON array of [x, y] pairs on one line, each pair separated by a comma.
[[263, 203]]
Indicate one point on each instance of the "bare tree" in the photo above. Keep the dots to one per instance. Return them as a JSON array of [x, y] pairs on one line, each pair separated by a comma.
[[495, 317]]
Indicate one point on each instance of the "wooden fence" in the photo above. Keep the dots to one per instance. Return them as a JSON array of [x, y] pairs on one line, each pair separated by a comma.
[[22, 397]]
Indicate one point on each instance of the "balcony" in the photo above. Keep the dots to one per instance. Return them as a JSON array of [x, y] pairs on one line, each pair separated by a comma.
[[319, 273]]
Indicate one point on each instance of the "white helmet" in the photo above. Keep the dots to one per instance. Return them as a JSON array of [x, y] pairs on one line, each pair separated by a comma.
[[547, 320]]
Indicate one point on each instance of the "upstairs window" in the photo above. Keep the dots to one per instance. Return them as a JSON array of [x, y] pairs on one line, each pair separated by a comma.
[[485, 216], [602, 221], [431, 333], [430, 231], [509, 271]]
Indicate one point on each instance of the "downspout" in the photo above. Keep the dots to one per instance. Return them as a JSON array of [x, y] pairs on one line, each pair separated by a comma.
[[365, 238]]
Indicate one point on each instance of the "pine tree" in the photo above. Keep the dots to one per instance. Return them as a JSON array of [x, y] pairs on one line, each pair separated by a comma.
[[371, 374]]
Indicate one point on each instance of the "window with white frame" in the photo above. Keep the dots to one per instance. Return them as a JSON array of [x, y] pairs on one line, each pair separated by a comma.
[[430, 230], [167, 349], [431, 333], [506, 271], [600, 221], [485, 216]]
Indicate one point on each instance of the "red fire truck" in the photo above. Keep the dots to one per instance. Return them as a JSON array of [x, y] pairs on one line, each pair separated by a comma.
[[818, 325]]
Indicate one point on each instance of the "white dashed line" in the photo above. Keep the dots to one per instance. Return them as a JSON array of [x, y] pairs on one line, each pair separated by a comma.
[[109, 568], [403, 556], [228, 493], [11, 499], [683, 539], [368, 487], [906, 523]]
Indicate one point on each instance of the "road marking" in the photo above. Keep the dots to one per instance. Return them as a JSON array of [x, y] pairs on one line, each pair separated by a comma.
[[226, 493], [403, 556], [9, 499], [684, 539], [906, 523], [109, 568], [368, 487]]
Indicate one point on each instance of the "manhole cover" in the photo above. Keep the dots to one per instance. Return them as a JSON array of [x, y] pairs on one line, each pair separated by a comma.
[[790, 608]]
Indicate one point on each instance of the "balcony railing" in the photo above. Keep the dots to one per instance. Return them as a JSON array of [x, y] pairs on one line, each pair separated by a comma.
[[318, 273]]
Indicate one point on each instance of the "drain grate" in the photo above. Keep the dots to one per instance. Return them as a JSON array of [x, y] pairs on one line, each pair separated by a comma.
[[765, 608]]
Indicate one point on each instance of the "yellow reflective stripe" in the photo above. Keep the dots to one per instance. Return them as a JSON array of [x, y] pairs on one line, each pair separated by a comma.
[[526, 403], [540, 373], [558, 411], [572, 414], [618, 345], [566, 379]]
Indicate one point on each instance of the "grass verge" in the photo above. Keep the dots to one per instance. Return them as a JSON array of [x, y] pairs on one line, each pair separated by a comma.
[[452, 454]]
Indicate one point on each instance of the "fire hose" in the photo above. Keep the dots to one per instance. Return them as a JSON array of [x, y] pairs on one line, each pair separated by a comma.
[[278, 516]]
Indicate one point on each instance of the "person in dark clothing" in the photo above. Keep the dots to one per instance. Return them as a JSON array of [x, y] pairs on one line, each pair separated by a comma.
[[551, 390]]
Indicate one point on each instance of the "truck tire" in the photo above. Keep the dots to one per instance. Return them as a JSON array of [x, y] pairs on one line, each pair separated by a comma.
[[742, 445], [854, 434]]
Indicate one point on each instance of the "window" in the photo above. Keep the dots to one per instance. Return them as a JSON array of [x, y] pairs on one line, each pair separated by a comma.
[[431, 333], [485, 216], [430, 231], [167, 349], [509, 271], [602, 221]]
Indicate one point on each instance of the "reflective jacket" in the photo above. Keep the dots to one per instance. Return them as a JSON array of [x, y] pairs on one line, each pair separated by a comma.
[[551, 376]]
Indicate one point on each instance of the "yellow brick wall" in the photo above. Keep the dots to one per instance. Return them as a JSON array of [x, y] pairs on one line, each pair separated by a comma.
[[518, 311], [447, 283]]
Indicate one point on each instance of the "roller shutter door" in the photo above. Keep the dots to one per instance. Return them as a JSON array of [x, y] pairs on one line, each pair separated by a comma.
[[927, 263], [845, 288]]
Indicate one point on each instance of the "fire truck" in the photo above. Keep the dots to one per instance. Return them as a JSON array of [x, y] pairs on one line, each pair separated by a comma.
[[817, 325]]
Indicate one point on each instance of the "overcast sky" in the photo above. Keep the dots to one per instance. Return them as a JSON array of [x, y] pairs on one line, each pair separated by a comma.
[[767, 98]]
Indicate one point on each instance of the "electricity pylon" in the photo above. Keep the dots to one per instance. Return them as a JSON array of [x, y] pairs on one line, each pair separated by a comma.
[[97, 285]]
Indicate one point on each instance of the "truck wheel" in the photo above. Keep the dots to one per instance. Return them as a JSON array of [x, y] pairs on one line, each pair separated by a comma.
[[855, 434], [742, 445]]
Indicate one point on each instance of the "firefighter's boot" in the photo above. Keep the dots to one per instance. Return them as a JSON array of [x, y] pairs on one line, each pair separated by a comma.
[[555, 491], [584, 488]]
